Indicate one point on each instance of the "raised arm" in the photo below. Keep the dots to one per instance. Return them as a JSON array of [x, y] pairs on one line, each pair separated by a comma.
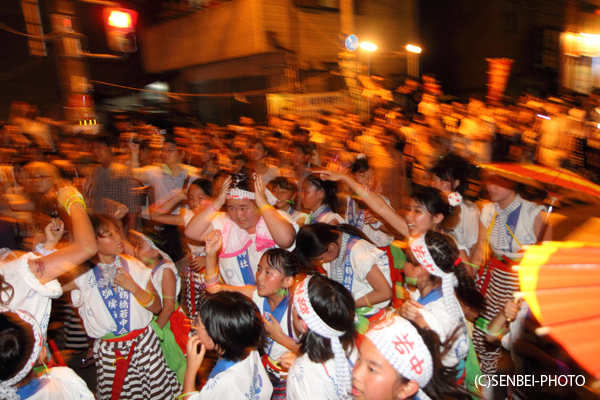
[[137, 173], [372, 199], [214, 241], [83, 247], [200, 224], [163, 214], [281, 229]]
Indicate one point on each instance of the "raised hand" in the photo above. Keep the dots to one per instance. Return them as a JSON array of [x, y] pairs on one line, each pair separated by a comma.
[[330, 175], [214, 241], [54, 231], [410, 310], [123, 279], [259, 191], [121, 212], [221, 198], [510, 310], [195, 353], [272, 326]]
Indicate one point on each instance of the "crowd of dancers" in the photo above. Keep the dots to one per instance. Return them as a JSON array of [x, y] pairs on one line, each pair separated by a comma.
[[301, 261]]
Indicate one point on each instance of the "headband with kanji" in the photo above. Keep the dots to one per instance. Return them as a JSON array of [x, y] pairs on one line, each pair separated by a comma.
[[7, 391], [403, 347], [343, 378], [419, 249]]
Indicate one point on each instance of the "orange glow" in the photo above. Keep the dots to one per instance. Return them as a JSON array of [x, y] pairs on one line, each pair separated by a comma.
[[119, 19], [413, 49]]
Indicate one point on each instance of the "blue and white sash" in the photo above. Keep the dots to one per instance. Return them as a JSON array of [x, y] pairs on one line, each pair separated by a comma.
[[278, 314], [243, 260], [118, 303], [348, 277], [312, 218], [354, 215]]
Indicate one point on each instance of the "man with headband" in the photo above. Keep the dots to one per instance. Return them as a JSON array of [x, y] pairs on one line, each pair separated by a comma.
[[250, 227], [22, 344]]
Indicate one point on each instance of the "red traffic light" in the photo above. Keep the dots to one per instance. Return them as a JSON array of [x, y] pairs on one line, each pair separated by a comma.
[[120, 18], [120, 29]]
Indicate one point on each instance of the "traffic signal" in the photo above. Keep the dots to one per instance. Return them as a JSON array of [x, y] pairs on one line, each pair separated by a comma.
[[120, 29]]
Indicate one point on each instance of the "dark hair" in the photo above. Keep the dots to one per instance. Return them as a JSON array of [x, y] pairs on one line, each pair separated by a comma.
[[170, 138], [204, 184], [305, 149], [16, 344], [436, 203], [444, 252], [284, 183], [313, 239], [240, 157], [334, 304], [233, 322], [254, 142], [221, 173], [286, 262], [329, 187], [100, 221], [442, 384], [242, 181], [451, 168], [360, 165], [108, 139]]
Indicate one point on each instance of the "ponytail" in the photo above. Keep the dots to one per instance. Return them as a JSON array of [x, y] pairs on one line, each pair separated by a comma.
[[443, 382], [330, 189], [444, 252]]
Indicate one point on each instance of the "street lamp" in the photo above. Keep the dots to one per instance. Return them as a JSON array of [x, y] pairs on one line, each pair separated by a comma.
[[413, 49], [369, 47], [412, 60]]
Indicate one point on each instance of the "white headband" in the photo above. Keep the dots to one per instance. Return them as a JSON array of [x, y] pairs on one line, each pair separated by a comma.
[[316, 324], [7, 391], [153, 245], [239, 194], [403, 347], [449, 281]]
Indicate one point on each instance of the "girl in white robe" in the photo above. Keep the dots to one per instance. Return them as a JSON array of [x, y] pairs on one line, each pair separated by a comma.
[[324, 314], [319, 197], [117, 302], [22, 340], [231, 324]]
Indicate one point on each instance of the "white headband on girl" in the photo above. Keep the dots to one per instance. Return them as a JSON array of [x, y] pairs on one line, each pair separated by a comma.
[[153, 245], [343, 376], [239, 194], [7, 391], [403, 347], [449, 280]]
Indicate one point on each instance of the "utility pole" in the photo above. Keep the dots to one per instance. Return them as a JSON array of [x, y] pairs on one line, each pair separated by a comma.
[[347, 59], [73, 69]]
